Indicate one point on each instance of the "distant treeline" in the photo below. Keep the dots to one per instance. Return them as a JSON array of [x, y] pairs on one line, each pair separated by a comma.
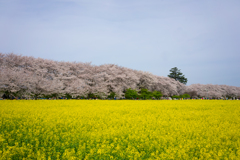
[[37, 77]]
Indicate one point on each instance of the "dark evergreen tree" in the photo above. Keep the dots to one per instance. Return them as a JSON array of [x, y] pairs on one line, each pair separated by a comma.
[[177, 75]]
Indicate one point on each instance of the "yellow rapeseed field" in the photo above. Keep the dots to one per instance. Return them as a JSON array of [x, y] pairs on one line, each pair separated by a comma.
[[124, 129]]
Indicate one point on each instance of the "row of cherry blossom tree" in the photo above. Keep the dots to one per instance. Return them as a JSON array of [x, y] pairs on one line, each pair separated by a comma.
[[28, 76], [213, 91]]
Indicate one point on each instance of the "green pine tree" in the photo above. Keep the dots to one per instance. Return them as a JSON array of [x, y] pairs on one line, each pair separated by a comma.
[[177, 75]]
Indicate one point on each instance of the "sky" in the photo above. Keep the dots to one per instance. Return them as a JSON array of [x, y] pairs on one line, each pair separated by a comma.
[[202, 38]]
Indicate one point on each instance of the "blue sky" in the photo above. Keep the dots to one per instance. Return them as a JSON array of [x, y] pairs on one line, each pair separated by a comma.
[[202, 38]]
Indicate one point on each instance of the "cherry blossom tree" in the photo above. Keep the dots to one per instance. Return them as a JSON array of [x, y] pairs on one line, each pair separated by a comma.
[[25, 75], [214, 91]]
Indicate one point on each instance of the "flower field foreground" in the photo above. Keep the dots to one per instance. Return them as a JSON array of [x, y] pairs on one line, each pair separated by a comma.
[[127, 129]]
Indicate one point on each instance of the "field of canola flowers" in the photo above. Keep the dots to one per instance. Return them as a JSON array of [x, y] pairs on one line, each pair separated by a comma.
[[127, 129]]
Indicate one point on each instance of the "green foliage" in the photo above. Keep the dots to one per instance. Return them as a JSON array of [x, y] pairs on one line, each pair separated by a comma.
[[175, 96], [157, 94], [112, 95], [68, 96], [185, 95], [15, 94], [131, 93], [181, 96], [145, 94], [177, 75], [93, 96]]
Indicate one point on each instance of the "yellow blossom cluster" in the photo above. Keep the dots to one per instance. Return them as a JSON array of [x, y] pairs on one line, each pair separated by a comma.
[[124, 129]]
